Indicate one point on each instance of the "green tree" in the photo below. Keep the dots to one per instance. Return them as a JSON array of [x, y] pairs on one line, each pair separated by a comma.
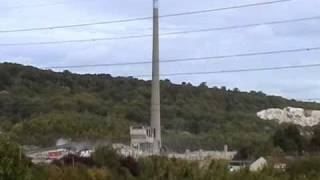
[[106, 156], [289, 139], [5, 79], [315, 140], [13, 164], [306, 168]]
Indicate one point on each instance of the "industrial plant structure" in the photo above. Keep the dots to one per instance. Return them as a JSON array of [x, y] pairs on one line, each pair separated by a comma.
[[152, 140]]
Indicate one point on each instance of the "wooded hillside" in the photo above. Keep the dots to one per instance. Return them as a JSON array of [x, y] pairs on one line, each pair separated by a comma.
[[39, 106]]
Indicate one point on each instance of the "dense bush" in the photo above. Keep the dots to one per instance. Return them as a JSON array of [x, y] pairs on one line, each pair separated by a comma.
[[107, 165], [290, 139], [305, 168], [13, 164]]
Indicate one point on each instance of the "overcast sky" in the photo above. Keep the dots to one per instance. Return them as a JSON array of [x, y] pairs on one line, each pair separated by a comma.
[[298, 83]]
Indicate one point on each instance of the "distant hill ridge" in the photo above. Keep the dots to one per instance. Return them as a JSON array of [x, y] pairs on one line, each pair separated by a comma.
[[40, 106]]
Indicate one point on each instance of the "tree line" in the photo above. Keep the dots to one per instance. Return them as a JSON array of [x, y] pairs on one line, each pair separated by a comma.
[[106, 164]]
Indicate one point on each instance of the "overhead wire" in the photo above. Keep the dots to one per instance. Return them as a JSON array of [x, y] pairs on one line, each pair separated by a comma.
[[165, 34], [311, 99], [143, 18], [236, 70], [36, 5], [308, 99], [176, 33], [207, 58]]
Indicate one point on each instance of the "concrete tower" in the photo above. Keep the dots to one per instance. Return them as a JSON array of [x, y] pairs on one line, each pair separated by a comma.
[[155, 94]]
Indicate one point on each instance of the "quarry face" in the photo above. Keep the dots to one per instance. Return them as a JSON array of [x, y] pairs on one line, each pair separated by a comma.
[[292, 115]]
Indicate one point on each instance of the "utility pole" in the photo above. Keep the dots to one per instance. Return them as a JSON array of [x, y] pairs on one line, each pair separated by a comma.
[[155, 94]]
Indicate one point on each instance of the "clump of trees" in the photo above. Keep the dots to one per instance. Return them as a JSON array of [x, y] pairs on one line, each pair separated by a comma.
[[106, 164], [290, 140], [296, 140], [315, 140], [13, 164], [287, 140], [111, 166]]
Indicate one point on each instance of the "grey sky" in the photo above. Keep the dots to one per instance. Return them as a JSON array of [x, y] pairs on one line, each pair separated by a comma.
[[301, 84]]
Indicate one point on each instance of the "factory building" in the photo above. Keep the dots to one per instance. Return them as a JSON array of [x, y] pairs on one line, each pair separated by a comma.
[[142, 138]]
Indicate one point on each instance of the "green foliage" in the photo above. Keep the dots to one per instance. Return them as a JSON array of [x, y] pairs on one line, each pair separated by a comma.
[[107, 165], [39, 106], [45, 129], [307, 168], [163, 168], [290, 139], [157, 168], [13, 164], [315, 140], [106, 157], [52, 172]]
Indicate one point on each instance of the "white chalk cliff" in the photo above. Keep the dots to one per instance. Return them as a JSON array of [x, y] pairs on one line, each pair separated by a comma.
[[292, 115]]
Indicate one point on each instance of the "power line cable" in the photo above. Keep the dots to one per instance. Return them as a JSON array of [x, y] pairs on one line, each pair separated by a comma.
[[76, 41], [246, 25], [74, 25], [309, 100], [189, 59], [226, 8], [236, 70], [46, 4], [164, 34], [38, 5], [143, 18]]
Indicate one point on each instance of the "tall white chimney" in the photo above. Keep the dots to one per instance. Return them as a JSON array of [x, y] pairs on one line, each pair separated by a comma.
[[155, 94]]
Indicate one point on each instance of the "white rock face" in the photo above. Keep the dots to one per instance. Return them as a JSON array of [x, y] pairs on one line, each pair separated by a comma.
[[292, 115]]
